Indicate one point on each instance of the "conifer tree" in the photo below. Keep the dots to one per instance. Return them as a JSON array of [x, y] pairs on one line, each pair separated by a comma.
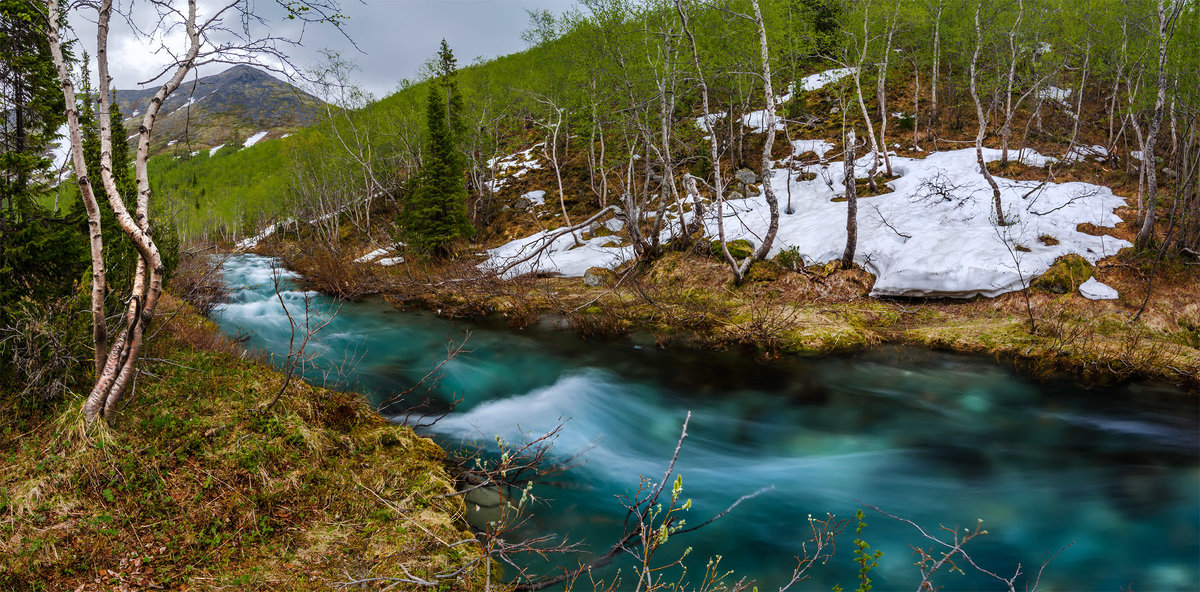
[[40, 253], [435, 215]]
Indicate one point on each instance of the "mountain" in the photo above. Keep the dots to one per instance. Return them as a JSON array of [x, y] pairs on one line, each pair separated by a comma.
[[228, 108]]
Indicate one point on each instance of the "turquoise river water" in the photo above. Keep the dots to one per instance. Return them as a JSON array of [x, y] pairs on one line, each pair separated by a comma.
[[1111, 475]]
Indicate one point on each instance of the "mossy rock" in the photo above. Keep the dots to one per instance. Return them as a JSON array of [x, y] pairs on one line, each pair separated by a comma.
[[764, 271], [1065, 275], [824, 270], [740, 249], [595, 277]]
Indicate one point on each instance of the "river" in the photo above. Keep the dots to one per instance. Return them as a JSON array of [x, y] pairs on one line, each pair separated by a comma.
[[1110, 477]]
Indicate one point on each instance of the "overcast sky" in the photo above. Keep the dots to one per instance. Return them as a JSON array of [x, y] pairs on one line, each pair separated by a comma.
[[395, 37]]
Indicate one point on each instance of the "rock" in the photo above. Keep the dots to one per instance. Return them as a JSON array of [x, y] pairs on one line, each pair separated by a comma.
[[746, 177], [595, 277], [1067, 274], [753, 191], [764, 271], [734, 195], [740, 249], [1094, 290]]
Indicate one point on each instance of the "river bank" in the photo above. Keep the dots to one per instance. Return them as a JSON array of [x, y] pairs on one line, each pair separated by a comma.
[[687, 299], [202, 486]]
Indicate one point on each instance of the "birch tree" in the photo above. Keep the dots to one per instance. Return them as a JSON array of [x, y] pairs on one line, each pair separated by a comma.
[[206, 40], [1166, 15]]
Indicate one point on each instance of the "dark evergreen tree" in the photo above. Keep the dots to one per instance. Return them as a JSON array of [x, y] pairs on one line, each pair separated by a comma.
[[434, 216], [41, 255], [447, 69]]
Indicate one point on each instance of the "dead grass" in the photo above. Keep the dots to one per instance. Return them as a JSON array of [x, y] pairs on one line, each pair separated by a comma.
[[196, 488]]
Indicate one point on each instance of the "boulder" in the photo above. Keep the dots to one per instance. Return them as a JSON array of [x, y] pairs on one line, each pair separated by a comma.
[[753, 191], [734, 195], [746, 177], [1066, 275], [595, 277]]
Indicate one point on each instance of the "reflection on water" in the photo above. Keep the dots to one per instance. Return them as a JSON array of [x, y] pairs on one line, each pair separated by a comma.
[[1111, 475]]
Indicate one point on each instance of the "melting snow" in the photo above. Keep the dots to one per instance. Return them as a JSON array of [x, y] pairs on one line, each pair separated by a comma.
[[819, 80], [1060, 95], [1094, 290], [252, 140], [536, 198], [820, 147], [373, 255], [513, 166], [213, 150], [756, 120], [389, 261], [934, 235]]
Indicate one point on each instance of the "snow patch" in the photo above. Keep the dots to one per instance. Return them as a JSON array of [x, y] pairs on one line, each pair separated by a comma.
[[934, 235], [819, 147], [821, 79], [390, 261], [536, 198], [213, 150], [1094, 290], [756, 121], [513, 166], [252, 140], [171, 143], [1083, 153], [373, 255], [1059, 95]]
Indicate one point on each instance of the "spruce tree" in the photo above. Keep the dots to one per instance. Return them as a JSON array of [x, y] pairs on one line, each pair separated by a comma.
[[434, 216], [41, 256]]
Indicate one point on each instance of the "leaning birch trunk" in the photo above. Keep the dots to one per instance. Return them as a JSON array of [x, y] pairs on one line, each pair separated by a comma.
[[553, 155], [99, 328], [851, 204], [1166, 23], [1087, 55], [772, 203], [881, 95], [933, 75], [983, 122], [862, 60], [1006, 131], [714, 154]]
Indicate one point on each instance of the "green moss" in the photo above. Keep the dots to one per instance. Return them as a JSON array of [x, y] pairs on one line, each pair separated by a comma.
[[1065, 275], [740, 249]]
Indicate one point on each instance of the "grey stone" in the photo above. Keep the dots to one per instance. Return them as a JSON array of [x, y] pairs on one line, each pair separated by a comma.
[[595, 277], [746, 176]]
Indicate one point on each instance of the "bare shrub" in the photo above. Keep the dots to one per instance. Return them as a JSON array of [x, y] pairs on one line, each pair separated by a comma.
[[197, 280], [44, 347]]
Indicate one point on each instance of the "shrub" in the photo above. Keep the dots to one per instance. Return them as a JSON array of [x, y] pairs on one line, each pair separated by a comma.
[[45, 348]]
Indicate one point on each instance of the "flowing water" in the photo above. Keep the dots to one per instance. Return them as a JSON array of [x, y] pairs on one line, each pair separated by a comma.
[[1110, 475]]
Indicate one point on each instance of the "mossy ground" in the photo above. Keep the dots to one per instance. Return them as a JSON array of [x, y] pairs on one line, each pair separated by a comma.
[[197, 487]]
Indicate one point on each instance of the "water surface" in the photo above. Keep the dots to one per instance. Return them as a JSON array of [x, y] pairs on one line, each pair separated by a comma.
[[1111, 475]]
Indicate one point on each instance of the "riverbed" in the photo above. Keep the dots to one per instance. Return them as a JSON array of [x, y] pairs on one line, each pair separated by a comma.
[[1108, 476]]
